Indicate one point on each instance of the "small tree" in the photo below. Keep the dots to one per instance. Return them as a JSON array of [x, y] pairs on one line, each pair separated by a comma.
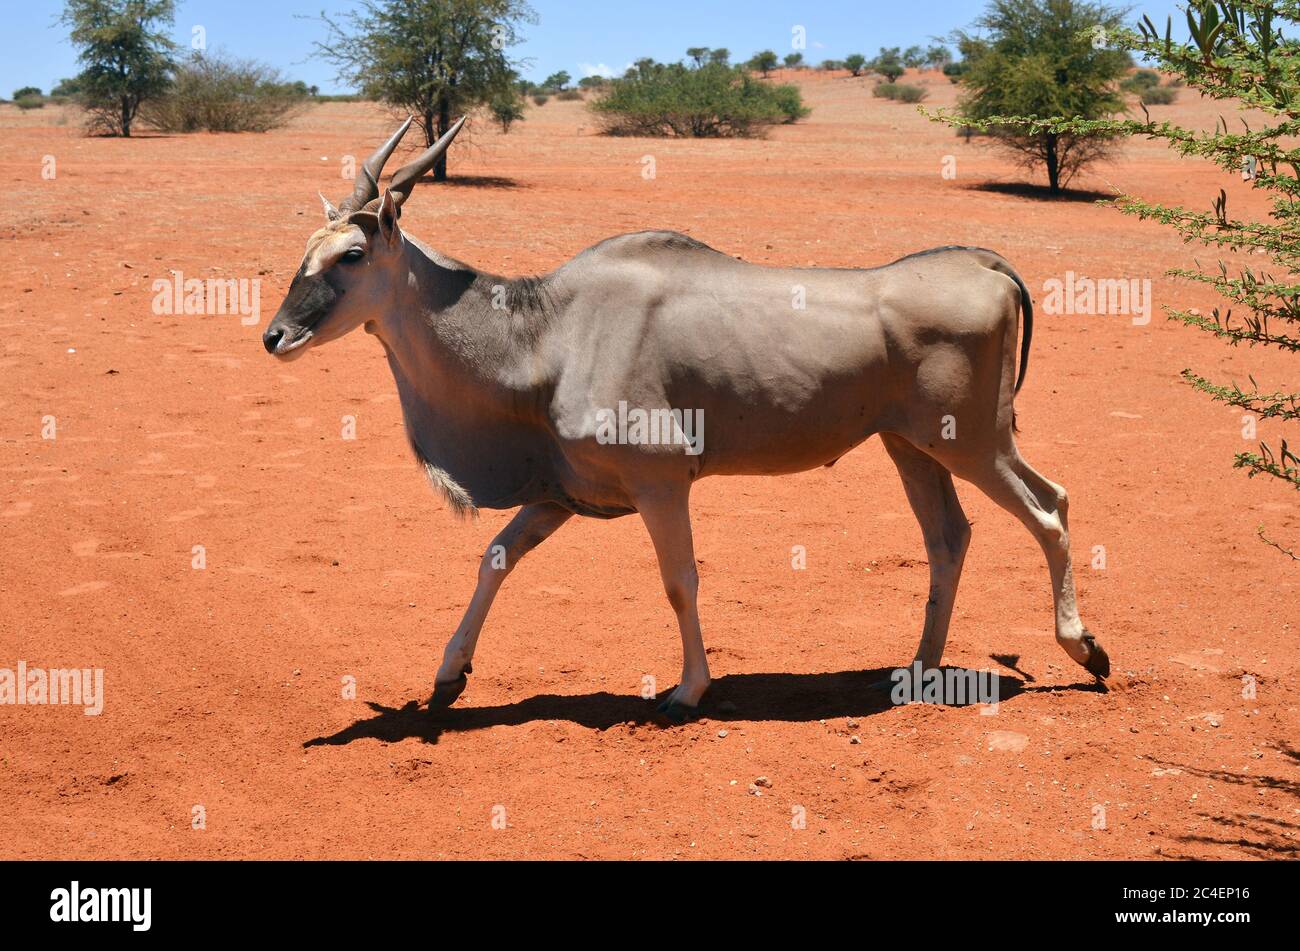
[[125, 55], [507, 108], [27, 92], [889, 63], [794, 60], [720, 56], [1039, 59], [434, 58], [914, 57], [763, 62], [937, 57], [66, 88], [698, 54], [557, 81], [855, 63]]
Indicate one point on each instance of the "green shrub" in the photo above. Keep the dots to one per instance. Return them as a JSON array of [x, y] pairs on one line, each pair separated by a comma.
[[507, 109], [1142, 79], [790, 101], [1158, 95], [900, 92], [541, 99], [225, 95], [888, 64], [27, 92], [954, 71], [569, 95], [763, 62], [714, 100], [29, 102], [66, 89]]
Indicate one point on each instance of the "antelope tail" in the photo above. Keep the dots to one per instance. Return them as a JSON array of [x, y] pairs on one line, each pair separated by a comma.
[[1000, 264]]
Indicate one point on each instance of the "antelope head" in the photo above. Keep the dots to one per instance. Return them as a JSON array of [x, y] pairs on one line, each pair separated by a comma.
[[352, 264]]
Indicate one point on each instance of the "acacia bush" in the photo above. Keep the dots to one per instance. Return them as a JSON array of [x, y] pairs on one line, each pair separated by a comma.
[[1142, 79], [507, 109], [216, 94], [713, 100], [1145, 83], [899, 92], [1158, 95]]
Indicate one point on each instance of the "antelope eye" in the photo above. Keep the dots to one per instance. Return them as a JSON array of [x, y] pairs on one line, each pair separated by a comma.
[[356, 254]]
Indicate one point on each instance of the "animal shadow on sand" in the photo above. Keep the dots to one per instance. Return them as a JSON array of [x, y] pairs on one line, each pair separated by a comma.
[[1249, 834], [794, 698]]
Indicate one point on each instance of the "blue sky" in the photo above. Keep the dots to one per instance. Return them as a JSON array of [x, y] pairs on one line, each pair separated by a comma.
[[573, 35]]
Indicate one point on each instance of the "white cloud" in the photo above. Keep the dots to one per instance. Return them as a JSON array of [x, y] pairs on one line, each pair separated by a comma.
[[600, 69]]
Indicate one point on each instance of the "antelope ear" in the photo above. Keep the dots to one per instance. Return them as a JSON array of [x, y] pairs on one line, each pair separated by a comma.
[[331, 213], [388, 229]]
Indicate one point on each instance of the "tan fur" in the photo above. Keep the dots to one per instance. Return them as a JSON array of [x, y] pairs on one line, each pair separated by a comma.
[[330, 243]]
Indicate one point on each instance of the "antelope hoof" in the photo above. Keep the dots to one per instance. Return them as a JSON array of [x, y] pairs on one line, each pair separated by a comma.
[[1098, 663], [446, 692], [675, 713]]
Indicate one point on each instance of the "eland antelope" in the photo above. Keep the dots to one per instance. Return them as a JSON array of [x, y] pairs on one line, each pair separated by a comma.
[[515, 392]]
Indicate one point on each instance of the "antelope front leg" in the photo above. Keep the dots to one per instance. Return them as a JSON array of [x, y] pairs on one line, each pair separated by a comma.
[[531, 526], [667, 518]]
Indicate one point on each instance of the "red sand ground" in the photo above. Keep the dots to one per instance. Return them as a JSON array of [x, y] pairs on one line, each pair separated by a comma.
[[330, 558]]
